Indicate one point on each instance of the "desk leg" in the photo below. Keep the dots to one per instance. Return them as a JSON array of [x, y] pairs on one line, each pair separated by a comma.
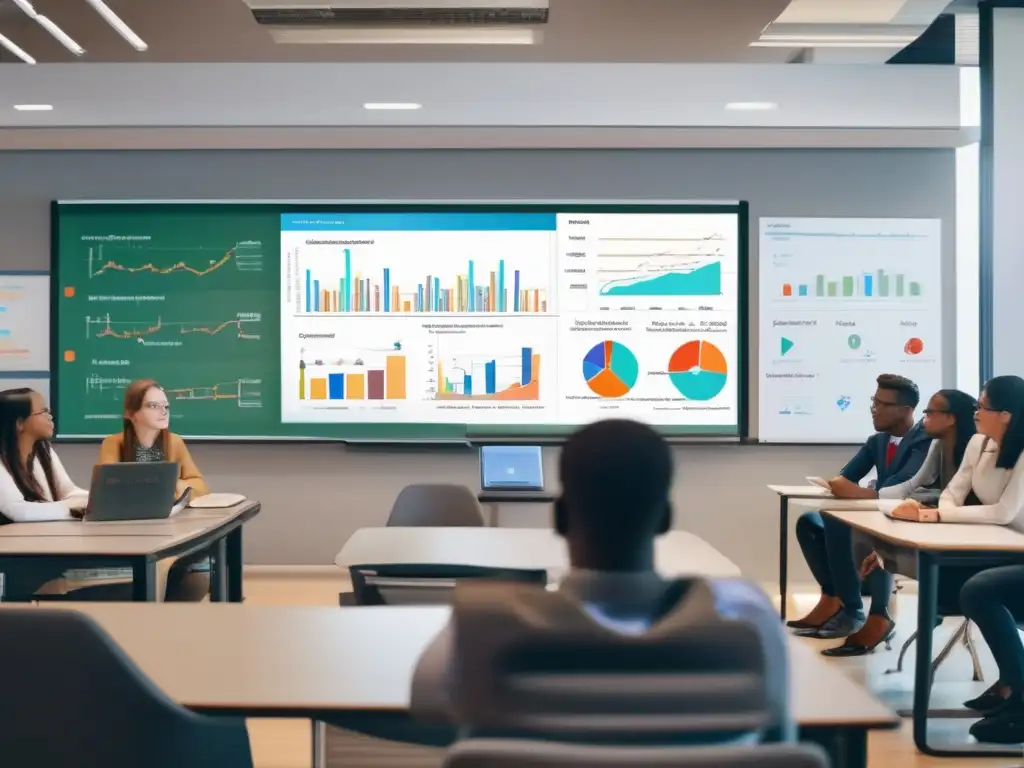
[[144, 580], [319, 759], [783, 554], [233, 564], [927, 601], [218, 573], [846, 747]]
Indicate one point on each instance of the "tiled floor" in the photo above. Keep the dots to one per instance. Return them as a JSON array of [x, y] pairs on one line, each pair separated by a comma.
[[288, 743]]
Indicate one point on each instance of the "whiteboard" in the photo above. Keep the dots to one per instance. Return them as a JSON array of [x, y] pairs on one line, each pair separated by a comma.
[[24, 322], [842, 301]]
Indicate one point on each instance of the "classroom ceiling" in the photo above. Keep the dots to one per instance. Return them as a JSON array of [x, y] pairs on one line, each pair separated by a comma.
[[675, 31]]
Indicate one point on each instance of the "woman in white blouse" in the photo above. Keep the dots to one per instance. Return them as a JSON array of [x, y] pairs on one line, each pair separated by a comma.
[[989, 488], [34, 487]]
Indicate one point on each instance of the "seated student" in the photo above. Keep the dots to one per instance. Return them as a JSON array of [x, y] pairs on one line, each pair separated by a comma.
[[993, 472], [949, 420], [616, 481], [146, 437], [896, 452], [34, 486]]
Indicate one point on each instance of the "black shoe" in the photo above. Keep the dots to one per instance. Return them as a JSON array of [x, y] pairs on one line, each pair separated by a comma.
[[853, 647], [987, 702], [842, 624], [1006, 726]]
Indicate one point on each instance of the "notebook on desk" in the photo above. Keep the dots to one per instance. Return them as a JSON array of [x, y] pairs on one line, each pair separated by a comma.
[[511, 468], [217, 501]]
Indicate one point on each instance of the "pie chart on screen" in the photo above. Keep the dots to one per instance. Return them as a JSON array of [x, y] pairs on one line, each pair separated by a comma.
[[698, 370], [610, 369]]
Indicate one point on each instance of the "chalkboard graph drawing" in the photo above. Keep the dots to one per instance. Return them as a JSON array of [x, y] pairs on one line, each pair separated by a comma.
[[244, 393], [247, 256], [244, 326]]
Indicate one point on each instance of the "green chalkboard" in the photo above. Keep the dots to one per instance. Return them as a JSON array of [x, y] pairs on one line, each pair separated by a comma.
[[190, 294]]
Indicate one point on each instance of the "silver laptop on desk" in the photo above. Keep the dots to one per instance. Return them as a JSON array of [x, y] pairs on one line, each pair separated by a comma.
[[132, 491], [511, 468]]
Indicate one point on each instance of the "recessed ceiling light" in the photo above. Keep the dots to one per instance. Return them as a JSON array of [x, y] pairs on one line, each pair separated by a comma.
[[34, 107], [752, 106], [397, 105]]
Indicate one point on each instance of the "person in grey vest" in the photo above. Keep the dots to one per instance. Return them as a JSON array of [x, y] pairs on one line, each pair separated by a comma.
[[616, 478]]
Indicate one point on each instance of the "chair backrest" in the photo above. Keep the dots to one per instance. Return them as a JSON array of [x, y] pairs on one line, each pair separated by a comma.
[[71, 697], [426, 584], [519, 753], [530, 662], [436, 505]]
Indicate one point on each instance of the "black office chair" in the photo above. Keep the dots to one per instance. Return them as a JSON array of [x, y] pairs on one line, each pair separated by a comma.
[[71, 698], [413, 584]]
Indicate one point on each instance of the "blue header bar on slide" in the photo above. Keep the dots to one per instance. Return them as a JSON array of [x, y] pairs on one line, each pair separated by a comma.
[[417, 222]]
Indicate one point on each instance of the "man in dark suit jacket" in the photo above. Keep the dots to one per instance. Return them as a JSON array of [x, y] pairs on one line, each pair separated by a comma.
[[896, 452]]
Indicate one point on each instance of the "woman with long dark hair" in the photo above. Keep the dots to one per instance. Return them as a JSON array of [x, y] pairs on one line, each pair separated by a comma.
[[34, 486], [949, 421], [989, 489]]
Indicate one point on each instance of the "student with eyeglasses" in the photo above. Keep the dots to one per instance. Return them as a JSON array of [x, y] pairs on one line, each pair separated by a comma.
[[989, 489], [146, 437], [896, 452], [34, 486]]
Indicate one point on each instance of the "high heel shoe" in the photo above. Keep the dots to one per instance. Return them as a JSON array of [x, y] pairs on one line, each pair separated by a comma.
[[990, 700], [855, 647]]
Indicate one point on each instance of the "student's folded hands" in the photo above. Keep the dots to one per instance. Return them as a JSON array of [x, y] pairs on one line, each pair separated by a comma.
[[913, 512]]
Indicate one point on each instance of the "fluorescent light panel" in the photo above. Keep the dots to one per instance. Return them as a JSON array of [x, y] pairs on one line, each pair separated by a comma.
[[751, 106], [119, 26], [34, 107], [392, 105], [17, 50], [407, 36], [56, 32]]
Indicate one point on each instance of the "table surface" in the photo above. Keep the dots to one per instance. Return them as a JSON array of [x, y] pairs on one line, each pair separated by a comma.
[[801, 491], [295, 660], [934, 537], [677, 553], [134, 538]]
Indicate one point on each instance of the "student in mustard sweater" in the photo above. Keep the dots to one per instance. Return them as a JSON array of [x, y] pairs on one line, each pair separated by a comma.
[[146, 437]]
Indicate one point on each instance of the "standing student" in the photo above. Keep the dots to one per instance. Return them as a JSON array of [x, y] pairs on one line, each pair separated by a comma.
[[34, 486], [896, 452], [146, 437], [949, 420], [993, 472]]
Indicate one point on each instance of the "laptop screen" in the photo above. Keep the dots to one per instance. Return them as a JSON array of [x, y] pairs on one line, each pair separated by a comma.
[[511, 467]]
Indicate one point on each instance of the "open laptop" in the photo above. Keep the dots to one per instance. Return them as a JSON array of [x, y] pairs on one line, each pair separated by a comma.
[[511, 468], [132, 491]]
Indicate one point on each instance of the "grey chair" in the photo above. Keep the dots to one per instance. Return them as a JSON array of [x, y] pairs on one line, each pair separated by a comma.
[[71, 698], [436, 505], [517, 753], [532, 664], [426, 584]]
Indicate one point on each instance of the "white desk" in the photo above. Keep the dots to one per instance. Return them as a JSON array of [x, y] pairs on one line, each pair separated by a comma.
[[918, 550], [677, 553]]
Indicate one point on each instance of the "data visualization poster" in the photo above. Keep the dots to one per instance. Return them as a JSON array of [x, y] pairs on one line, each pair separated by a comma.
[[24, 322], [511, 318], [842, 301]]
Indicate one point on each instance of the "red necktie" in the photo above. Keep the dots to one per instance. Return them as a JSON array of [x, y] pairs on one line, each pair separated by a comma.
[[890, 454]]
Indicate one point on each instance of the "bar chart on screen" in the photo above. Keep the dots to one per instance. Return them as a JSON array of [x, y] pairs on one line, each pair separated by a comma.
[[397, 271]]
